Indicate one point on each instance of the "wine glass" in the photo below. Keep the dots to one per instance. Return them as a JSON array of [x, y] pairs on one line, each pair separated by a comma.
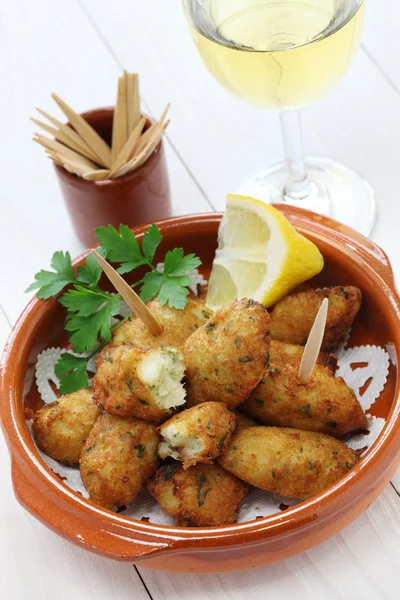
[[285, 55]]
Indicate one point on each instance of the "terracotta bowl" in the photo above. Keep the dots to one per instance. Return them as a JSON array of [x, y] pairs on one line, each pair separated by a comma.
[[350, 258]]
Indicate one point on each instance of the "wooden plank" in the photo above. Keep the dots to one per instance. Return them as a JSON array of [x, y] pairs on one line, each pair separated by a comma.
[[39, 564], [363, 562], [360, 563], [229, 140], [381, 38]]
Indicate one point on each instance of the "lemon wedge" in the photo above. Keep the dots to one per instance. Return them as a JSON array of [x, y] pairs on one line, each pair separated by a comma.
[[260, 255]]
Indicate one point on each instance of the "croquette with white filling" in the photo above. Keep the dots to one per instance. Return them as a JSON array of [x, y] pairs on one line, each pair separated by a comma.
[[198, 434], [131, 382]]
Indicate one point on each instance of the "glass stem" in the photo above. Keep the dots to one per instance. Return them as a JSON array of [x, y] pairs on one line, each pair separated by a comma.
[[298, 187]]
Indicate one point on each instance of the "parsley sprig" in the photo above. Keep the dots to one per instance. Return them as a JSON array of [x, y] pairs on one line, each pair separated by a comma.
[[89, 308], [169, 286]]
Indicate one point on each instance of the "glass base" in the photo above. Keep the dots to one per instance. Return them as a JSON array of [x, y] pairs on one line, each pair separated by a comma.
[[335, 190]]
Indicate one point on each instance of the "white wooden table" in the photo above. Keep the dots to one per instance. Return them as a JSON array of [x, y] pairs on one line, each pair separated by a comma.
[[77, 49]]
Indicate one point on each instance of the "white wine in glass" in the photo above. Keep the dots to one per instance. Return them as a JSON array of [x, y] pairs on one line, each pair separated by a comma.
[[285, 55]]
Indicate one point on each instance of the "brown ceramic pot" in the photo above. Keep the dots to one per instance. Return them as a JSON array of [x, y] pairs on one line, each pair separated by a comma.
[[141, 196], [349, 258]]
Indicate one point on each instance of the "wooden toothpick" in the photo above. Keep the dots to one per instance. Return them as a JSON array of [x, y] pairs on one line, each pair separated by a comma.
[[130, 297], [99, 175], [314, 342], [133, 101], [88, 134], [81, 150], [129, 146], [74, 139], [120, 122], [64, 151]]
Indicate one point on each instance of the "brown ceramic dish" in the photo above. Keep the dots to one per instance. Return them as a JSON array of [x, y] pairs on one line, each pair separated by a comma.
[[138, 197], [350, 258]]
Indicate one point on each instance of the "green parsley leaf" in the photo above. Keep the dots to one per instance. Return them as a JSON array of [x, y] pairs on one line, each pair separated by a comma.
[[91, 272], [121, 247], [85, 302], [72, 373], [84, 331], [175, 263], [174, 291], [50, 283], [151, 241], [152, 283]]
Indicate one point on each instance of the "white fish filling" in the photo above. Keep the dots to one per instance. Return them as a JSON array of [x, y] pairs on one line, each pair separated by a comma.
[[178, 443], [162, 371]]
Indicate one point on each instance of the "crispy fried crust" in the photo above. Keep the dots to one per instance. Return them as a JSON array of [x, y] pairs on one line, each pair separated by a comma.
[[178, 325], [118, 457], [293, 317], [209, 426], [62, 427], [293, 463], [201, 496], [117, 387], [226, 357], [243, 420], [282, 353], [325, 404]]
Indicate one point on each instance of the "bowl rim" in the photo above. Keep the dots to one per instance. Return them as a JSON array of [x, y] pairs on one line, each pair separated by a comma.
[[155, 538]]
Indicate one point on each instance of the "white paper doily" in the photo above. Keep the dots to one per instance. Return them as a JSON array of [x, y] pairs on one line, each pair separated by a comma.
[[44, 373], [376, 369], [257, 503]]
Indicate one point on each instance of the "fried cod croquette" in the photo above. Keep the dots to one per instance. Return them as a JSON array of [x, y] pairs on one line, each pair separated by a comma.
[[293, 317], [226, 358], [178, 325], [118, 457], [282, 353], [200, 496], [243, 420], [325, 404], [290, 462], [131, 382], [197, 435], [62, 427]]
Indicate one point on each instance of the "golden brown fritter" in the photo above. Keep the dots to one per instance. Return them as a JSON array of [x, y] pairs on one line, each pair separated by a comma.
[[131, 382], [118, 457], [243, 420], [293, 317], [198, 434], [178, 325], [290, 462], [62, 427], [282, 353], [226, 357], [325, 404], [201, 496]]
